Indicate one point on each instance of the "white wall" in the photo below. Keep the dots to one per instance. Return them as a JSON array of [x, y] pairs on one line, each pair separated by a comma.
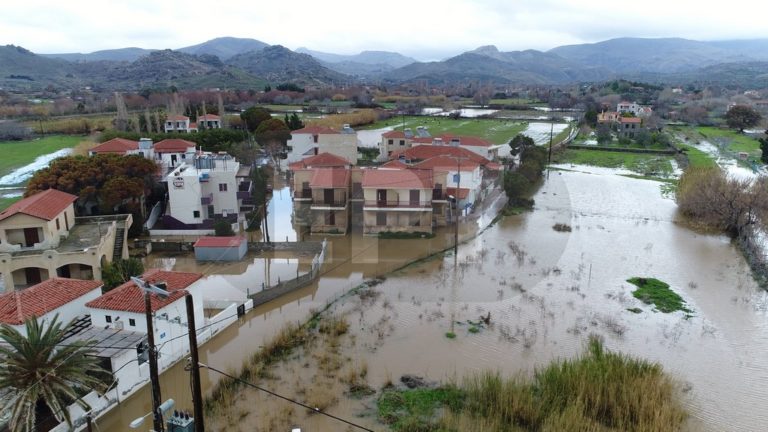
[[66, 312], [300, 144]]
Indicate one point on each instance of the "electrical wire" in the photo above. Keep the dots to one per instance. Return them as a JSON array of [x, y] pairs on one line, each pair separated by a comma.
[[313, 409]]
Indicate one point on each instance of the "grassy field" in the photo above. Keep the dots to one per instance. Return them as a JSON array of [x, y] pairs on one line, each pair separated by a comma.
[[655, 292], [19, 153], [697, 158], [5, 202], [645, 164], [495, 131], [732, 140]]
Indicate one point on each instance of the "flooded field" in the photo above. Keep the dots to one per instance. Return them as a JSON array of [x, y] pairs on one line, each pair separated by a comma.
[[543, 292]]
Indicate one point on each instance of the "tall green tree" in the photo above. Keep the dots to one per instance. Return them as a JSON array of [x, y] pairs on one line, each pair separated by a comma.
[[120, 271], [253, 116], [519, 142], [38, 370], [764, 150], [741, 117]]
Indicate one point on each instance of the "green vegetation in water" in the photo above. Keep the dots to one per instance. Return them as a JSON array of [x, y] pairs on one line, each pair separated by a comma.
[[697, 158], [636, 310], [474, 329], [732, 140], [597, 391], [494, 130], [16, 154], [405, 235], [655, 292], [658, 166], [450, 335], [6, 202]]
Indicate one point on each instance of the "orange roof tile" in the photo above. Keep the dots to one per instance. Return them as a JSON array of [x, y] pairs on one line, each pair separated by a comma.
[[447, 163], [394, 134], [44, 205], [173, 145], [130, 298], [424, 152], [631, 120], [466, 140], [219, 242], [18, 306], [177, 118], [398, 179], [208, 117], [116, 145], [315, 130], [330, 178], [322, 160], [462, 194], [394, 164]]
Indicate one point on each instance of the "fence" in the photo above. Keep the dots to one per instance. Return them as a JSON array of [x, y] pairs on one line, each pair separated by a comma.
[[285, 287]]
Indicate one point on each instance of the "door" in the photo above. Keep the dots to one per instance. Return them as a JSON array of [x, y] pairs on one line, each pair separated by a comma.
[[414, 197], [64, 272], [331, 218], [173, 160], [328, 196], [33, 275], [381, 196], [31, 237]]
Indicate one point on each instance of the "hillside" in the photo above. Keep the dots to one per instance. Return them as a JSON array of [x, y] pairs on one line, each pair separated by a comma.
[[120, 54], [278, 64], [23, 69], [225, 47]]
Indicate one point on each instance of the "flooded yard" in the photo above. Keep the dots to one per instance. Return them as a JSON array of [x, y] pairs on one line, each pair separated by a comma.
[[543, 292]]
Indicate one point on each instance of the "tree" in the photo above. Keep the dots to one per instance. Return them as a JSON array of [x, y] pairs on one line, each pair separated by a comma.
[[273, 135], [222, 228], [120, 271], [39, 371], [519, 142], [603, 134], [293, 122], [764, 150], [741, 117], [253, 116]]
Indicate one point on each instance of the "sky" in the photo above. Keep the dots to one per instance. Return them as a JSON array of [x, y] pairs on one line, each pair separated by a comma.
[[423, 29]]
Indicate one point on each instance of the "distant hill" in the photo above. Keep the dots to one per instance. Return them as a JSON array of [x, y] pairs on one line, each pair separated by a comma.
[[393, 59], [225, 47], [491, 65], [668, 55], [278, 64], [23, 69], [121, 54]]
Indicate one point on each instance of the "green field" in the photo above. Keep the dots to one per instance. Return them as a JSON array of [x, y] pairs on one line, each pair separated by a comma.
[[731, 140], [5, 202], [495, 131], [697, 158], [19, 153], [650, 165]]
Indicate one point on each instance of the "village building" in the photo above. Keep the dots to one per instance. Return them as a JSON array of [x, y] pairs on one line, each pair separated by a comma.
[[179, 123], [322, 198], [629, 126], [634, 109], [211, 248], [314, 140], [170, 153], [464, 178], [41, 238], [397, 200], [208, 121], [397, 140]]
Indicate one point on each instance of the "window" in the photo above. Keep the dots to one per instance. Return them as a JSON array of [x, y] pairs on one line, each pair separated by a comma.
[[222, 187], [66, 221], [108, 318], [314, 139], [131, 322], [402, 142], [196, 214], [381, 218], [390, 142], [58, 224]]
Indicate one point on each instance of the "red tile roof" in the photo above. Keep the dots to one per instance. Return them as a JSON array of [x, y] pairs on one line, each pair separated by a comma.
[[398, 179], [315, 130], [463, 192], [18, 306], [219, 242], [493, 166], [394, 164], [173, 145], [393, 134], [130, 298], [631, 120], [330, 178], [322, 160], [447, 163], [424, 152], [177, 118], [44, 205], [465, 140], [116, 145], [208, 117]]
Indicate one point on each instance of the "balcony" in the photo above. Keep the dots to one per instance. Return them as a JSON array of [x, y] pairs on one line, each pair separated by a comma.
[[392, 204], [241, 195], [303, 194], [439, 195], [334, 203], [245, 186], [207, 200]]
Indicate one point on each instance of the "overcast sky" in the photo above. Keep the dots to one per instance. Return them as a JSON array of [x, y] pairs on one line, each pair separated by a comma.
[[424, 29]]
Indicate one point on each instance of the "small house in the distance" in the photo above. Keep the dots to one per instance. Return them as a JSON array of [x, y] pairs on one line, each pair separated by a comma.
[[220, 248]]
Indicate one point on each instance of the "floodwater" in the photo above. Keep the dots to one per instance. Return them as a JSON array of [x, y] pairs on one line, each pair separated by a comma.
[[21, 175], [546, 291]]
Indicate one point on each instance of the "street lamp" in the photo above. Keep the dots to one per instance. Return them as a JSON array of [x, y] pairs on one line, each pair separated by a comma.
[[162, 409]]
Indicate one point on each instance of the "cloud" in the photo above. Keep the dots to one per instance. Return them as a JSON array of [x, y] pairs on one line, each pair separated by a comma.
[[424, 29]]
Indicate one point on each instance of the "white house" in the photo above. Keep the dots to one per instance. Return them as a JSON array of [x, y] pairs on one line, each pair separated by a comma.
[[474, 144], [170, 153], [633, 108], [179, 123], [57, 296], [209, 121], [123, 308], [205, 188], [313, 140], [469, 181]]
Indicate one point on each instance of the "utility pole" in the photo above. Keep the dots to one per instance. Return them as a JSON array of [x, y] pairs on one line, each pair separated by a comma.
[[157, 418], [458, 190], [551, 130], [197, 394]]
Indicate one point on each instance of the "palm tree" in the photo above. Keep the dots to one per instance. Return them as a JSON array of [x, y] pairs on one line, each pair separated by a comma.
[[38, 370]]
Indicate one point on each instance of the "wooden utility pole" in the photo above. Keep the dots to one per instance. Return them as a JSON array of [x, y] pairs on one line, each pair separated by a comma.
[[197, 394], [157, 418], [458, 191]]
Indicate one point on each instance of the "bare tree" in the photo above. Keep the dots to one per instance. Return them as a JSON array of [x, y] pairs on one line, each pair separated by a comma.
[[122, 123]]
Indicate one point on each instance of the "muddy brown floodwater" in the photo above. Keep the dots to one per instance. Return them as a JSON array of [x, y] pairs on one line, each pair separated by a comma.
[[546, 292]]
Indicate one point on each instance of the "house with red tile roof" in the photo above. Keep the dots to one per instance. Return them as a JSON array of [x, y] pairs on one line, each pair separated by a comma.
[[179, 123], [56, 296], [124, 308], [322, 160], [629, 126], [208, 121], [462, 173], [313, 140], [170, 153], [124, 147], [321, 198], [398, 140], [40, 237]]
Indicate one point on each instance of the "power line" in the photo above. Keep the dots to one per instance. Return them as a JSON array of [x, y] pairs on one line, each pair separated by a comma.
[[313, 409]]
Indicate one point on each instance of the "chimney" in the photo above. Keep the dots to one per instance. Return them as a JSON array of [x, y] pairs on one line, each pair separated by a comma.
[[455, 142]]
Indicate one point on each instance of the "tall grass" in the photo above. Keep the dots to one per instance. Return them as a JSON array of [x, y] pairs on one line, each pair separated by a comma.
[[354, 119], [597, 391]]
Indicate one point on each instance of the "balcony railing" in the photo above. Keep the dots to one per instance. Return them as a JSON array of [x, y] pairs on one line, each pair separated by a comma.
[[329, 203], [241, 195], [438, 195], [207, 200], [398, 204], [302, 194]]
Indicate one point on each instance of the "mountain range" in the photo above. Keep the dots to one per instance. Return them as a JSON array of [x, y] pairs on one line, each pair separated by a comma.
[[248, 63]]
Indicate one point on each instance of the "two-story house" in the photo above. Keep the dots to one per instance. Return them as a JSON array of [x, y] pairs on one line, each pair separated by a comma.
[[397, 140], [206, 188], [477, 145], [313, 140], [124, 147], [629, 126], [321, 199], [40, 238], [464, 178], [397, 200], [208, 121], [179, 123], [170, 153]]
